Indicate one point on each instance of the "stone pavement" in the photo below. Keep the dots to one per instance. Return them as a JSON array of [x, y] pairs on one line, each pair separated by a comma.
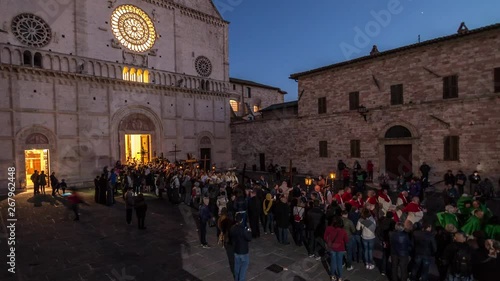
[[50, 246]]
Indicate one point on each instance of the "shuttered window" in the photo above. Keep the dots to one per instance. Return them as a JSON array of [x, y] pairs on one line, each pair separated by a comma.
[[353, 100], [323, 149], [397, 94], [451, 148], [355, 148], [322, 105], [497, 80], [450, 87]]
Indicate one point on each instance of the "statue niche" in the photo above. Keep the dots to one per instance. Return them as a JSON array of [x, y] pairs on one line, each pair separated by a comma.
[[137, 122]]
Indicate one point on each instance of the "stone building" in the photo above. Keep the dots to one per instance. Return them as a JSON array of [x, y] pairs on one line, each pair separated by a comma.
[[436, 101], [250, 97], [86, 83]]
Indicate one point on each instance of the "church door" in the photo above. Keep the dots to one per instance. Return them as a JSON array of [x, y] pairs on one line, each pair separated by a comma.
[[398, 159], [262, 157], [205, 154]]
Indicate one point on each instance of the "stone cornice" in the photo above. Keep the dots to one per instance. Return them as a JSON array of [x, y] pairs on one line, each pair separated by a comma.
[[111, 81], [189, 12]]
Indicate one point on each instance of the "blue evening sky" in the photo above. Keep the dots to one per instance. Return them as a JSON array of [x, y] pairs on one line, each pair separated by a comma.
[[271, 39]]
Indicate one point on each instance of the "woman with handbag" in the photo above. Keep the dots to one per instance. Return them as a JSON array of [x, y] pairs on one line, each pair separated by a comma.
[[336, 240]]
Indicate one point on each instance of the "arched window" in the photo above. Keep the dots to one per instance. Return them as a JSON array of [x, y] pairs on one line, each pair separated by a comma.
[[234, 105], [202, 86], [27, 58], [397, 132], [207, 85], [38, 60], [133, 74], [126, 74], [256, 108], [139, 75]]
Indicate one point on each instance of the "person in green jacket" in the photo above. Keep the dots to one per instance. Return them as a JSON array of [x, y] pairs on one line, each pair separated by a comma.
[[474, 223], [447, 217]]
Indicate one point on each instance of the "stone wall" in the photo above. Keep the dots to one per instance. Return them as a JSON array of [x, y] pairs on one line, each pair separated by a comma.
[[430, 118], [260, 96]]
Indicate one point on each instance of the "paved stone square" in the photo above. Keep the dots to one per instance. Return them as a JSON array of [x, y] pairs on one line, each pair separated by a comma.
[[50, 246]]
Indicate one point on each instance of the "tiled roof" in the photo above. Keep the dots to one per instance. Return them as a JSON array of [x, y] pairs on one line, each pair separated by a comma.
[[281, 106], [397, 50], [255, 84]]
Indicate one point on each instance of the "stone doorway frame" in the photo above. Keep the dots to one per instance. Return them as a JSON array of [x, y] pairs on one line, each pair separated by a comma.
[[34, 137], [118, 134], [414, 141]]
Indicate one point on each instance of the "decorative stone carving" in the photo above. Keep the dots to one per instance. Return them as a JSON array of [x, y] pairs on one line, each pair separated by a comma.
[[5, 27], [37, 138], [153, 14], [115, 44], [205, 141], [111, 3], [135, 59], [137, 122], [153, 52], [31, 30]]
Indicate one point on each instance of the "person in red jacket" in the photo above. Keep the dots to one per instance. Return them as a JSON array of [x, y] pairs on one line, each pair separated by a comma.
[[336, 240], [347, 194], [339, 199], [369, 169]]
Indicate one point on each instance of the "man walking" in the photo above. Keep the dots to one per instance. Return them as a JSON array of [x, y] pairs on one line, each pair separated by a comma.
[[240, 236], [425, 248], [129, 205]]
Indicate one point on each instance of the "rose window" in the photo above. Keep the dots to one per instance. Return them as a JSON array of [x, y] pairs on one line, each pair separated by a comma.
[[133, 28], [203, 66], [31, 30]]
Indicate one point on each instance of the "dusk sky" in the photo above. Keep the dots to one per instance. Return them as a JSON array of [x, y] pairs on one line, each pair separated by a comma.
[[271, 39]]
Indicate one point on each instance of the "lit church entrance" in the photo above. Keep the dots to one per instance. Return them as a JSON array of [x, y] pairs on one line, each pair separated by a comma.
[[36, 159], [138, 148]]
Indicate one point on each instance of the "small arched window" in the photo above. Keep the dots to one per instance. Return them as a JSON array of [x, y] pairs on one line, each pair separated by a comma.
[[139, 75], [133, 74], [145, 77], [27, 58], [207, 85], [126, 74], [38, 60]]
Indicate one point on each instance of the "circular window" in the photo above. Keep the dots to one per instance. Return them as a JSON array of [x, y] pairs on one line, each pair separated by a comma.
[[133, 28], [203, 66], [31, 30]]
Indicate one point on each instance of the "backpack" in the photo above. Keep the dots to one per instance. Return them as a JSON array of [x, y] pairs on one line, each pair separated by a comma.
[[463, 261]]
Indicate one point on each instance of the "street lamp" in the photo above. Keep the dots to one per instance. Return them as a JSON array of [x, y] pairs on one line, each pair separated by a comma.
[[363, 111], [308, 181], [332, 177]]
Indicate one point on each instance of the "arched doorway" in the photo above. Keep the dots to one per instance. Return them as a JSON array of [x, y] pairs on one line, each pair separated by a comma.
[[36, 147], [205, 153], [137, 134], [398, 151]]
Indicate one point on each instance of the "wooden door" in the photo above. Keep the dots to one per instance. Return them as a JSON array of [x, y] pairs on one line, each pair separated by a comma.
[[262, 158], [205, 153], [398, 159]]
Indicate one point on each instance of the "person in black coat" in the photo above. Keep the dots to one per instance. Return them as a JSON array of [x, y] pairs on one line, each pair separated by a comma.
[[282, 217], [140, 209], [254, 212], [96, 190], [315, 217]]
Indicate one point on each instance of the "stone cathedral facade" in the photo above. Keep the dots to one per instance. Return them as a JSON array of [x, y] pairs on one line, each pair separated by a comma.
[[86, 83]]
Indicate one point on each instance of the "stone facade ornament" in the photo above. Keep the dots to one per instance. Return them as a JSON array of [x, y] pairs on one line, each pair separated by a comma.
[[111, 3], [37, 138], [153, 52], [137, 122], [115, 44]]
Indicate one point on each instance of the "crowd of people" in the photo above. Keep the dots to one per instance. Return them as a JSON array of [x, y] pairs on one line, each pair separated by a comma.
[[341, 223]]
